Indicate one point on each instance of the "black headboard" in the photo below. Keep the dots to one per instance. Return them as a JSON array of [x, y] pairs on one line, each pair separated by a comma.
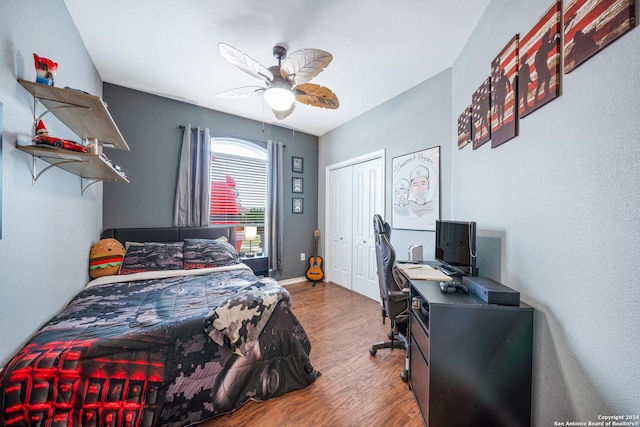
[[169, 234]]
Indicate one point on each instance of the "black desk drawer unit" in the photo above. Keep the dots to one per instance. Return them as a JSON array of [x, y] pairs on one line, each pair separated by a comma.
[[419, 333], [419, 367], [470, 362]]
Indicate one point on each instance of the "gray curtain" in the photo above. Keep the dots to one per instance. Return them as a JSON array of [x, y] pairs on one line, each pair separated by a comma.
[[193, 187], [275, 205]]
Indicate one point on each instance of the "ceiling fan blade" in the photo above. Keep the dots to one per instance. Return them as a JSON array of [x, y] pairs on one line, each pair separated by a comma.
[[242, 92], [280, 115], [244, 62], [316, 96], [303, 65]]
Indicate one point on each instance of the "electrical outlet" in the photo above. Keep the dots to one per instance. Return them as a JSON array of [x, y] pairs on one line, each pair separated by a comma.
[[302, 256]]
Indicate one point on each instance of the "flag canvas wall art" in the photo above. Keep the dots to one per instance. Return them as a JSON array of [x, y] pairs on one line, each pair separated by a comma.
[[504, 72], [481, 120], [539, 71], [464, 128], [591, 25]]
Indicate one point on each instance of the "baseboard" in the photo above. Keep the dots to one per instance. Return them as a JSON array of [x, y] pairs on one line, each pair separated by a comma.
[[292, 281]]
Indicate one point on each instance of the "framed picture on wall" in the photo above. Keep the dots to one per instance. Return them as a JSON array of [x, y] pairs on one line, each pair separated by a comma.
[[297, 205], [297, 164], [416, 190], [296, 185]]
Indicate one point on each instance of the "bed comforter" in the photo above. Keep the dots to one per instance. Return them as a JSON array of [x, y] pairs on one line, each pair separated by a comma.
[[168, 351]]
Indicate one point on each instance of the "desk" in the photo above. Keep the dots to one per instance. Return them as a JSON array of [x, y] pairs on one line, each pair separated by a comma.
[[469, 361], [423, 272], [259, 264]]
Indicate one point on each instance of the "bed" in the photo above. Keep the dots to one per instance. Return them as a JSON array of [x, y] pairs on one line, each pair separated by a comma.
[[160, 346]]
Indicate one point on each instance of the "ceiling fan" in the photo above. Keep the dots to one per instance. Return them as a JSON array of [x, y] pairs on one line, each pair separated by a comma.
[[286, 82]]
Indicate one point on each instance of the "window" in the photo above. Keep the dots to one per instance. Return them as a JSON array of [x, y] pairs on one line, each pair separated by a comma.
[[239, 190]]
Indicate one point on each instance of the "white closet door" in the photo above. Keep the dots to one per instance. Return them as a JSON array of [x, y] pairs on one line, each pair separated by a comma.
[[339, 263], [368, 191]]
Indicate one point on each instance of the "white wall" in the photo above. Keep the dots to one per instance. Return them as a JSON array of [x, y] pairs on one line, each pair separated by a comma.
[[559, 206], [47, 228], [416, 120], [556, 207]]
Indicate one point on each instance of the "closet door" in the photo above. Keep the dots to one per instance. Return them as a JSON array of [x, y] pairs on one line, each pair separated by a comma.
[[355, 192], [340, 183], [368, 191]]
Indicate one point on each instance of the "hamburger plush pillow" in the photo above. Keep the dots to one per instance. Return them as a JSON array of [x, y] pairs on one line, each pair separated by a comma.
[[105, 258]]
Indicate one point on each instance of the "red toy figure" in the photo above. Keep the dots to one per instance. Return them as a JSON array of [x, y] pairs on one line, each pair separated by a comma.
[[41, 129], [46, 70], [42, 137]]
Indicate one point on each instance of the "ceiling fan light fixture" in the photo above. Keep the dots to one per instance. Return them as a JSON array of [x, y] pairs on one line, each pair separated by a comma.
[[287, 82], [279, 98]]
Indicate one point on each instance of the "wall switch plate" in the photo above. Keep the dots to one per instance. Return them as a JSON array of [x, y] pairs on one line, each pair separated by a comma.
[[302, 256]]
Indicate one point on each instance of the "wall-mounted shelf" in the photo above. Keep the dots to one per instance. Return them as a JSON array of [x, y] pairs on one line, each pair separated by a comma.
[[92, 167], [86, 115]]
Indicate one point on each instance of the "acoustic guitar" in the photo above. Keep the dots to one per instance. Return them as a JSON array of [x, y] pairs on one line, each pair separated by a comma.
[[314, 272]]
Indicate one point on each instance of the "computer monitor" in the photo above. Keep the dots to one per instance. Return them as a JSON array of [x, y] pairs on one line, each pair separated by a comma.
[[456, 246]]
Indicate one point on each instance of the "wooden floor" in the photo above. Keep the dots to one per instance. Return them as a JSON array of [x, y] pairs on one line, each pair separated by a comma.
[[355, 389]]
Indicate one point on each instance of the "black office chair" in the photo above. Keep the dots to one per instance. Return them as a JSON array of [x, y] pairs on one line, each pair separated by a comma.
[[394, 291]]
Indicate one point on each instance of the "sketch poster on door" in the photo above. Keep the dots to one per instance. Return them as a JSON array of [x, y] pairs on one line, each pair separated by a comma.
[[416, 190]]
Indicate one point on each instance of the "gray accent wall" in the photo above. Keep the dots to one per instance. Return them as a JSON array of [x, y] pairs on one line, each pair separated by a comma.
[[557, 207], [151, 126], [48, 227]]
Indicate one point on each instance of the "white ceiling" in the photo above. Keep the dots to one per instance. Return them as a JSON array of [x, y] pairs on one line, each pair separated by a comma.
[[380, 48]]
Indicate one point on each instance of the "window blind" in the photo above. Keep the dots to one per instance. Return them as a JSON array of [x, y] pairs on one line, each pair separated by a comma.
[[238, 188]]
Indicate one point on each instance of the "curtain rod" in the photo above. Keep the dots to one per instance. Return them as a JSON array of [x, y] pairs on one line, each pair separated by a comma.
[[231, 136]]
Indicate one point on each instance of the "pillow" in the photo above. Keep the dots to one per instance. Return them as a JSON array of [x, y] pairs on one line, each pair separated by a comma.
[[152, 256], [105, 258], [205, 253]]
